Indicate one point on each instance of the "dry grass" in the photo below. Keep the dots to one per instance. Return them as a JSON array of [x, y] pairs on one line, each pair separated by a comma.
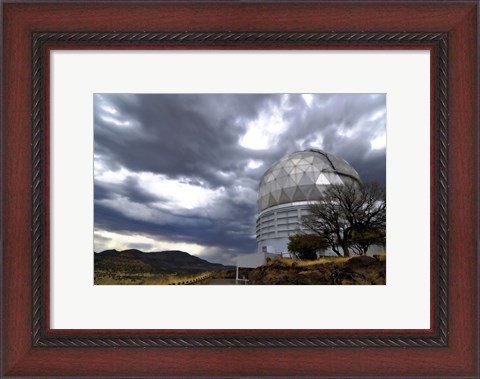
[[382, 257], [334, 270], [333, 259], [121, 278], [322, 260]]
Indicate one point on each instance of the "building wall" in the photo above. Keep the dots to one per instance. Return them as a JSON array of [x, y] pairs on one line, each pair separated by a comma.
[[254, 260], [275, 224]]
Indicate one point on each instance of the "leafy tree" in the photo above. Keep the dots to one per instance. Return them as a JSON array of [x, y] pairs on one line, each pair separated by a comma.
[[345, 213], [306, 246], [362, 240]]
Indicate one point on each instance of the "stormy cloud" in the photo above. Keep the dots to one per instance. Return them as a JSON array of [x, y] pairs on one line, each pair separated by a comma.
[[182, 171]]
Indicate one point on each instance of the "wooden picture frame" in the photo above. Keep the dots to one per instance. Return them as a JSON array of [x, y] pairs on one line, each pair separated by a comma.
[[448, 348]]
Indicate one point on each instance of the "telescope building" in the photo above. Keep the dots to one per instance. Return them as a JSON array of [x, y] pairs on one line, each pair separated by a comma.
[[287, 189]]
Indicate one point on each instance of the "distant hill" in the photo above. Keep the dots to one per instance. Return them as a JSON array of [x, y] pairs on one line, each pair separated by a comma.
[[162, 262]]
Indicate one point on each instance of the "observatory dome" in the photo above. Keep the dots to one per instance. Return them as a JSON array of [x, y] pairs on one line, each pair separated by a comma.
[[302, 176]]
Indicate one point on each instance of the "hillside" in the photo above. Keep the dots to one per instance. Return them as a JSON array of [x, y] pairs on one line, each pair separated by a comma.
[[136, 267], [328, 271]]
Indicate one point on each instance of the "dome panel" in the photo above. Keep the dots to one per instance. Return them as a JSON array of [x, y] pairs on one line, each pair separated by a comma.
[[276, 195], [304, 165], [322, 179], [315, 193], [306, 189], [269, 177], [333, 178], [271, 201], [305, 180], [312, 175], [284, 197], [298, 195], [289, 192], [297, 176]]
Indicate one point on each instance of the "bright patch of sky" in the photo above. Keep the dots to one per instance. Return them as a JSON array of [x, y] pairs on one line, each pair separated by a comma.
[[179, 194], [110, 115], [378, 115], [118, 123], [346, 132], [379, 143], [103, 105], [265, 131], [313, 141], [105, 240], [253, 164], [108, 176], [175, 194], [308, 99]]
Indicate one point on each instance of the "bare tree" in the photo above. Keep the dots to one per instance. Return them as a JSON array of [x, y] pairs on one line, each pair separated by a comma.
[[346, 212]]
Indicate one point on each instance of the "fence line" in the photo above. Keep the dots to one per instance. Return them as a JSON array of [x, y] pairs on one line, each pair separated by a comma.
[[193, 281]]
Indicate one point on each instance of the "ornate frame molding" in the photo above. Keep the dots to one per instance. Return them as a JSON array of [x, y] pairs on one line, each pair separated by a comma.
[[315, 39]]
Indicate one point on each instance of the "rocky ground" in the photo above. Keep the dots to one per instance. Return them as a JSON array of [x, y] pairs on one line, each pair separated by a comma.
[[358, 270]]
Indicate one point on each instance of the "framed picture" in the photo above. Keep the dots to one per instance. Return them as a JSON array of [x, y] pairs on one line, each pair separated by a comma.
[[206, 192], [148, 144]]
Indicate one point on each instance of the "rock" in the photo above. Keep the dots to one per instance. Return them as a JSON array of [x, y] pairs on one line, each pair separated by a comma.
[[359, 262], [360, 270]]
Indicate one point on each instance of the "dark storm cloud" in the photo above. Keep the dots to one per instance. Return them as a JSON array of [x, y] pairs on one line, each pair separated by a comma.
[[197, 140], [334, 118], [176, 135], [129, 188], [222, 235]]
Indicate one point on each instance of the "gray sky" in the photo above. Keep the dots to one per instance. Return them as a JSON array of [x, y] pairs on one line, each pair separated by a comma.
[[182, 171]]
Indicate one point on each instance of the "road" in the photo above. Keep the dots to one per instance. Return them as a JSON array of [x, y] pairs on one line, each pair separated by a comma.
[[221, 282]]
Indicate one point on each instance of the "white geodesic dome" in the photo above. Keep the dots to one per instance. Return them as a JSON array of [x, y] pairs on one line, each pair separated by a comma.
[[303, 176]]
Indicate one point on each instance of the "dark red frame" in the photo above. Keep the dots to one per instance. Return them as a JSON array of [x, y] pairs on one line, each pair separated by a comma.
[[20, 358]]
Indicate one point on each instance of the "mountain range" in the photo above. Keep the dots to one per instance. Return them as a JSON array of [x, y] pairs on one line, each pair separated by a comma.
[[167, 262]]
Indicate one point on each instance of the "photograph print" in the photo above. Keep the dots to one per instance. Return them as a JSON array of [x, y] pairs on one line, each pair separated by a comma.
[[239, 189]]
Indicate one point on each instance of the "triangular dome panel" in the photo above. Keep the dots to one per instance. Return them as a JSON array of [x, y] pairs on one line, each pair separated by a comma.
[[298, 195]]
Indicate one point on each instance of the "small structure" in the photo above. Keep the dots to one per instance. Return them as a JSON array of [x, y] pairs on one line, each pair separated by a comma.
[[253, 261]]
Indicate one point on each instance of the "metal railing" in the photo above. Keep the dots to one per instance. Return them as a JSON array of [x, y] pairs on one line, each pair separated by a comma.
[[191, 281]]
